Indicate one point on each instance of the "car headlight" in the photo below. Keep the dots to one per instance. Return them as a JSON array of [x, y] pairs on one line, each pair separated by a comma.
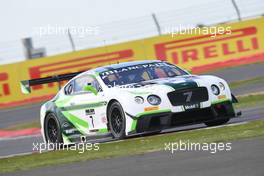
[[154, 100], [139, 100], [222, 86], [215, 90]]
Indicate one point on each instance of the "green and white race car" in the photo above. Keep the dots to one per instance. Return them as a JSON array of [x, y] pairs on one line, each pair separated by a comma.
[[129, 99]]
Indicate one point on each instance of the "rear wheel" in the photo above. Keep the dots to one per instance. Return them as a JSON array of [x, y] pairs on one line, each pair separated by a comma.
[[52, 129], [217, 122], [117, 120]]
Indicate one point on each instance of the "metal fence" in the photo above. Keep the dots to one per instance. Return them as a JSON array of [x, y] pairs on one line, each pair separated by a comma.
[[215, 12]]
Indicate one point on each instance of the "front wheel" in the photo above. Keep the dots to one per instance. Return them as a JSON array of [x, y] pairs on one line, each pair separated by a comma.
[[117, 120], [217, 122], [52, 129]]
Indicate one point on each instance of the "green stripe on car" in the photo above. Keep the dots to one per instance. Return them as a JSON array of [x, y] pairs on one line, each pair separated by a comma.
[[134, 125], [80, 124], [103, 130], [62, 102], [66, 140], [84, 106], [153, 112]]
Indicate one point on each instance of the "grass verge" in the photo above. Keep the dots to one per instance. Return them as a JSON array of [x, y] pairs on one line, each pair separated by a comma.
[[250, 100], [246, 82], [133, 146]]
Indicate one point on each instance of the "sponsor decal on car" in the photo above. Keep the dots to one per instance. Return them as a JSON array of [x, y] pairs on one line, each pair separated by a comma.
[[152, 108], [192, 106]]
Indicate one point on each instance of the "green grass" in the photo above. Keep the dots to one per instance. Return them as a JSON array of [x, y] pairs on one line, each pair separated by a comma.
[[250, 101], [133, 146], [243, 83]]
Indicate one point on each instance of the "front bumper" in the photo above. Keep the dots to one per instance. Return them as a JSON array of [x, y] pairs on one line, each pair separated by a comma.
[[160, 121]]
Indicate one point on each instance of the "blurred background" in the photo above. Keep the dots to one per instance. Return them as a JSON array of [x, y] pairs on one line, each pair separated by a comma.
[[54, 27]]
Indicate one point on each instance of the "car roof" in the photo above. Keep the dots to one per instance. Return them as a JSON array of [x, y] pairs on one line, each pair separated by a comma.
[[124, 64]]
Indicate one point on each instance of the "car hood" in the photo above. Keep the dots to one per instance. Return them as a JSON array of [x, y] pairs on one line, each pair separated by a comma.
[[170, 84], [182, 82]]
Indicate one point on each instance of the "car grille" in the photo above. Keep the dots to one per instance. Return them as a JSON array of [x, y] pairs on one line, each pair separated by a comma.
[[188, 96]]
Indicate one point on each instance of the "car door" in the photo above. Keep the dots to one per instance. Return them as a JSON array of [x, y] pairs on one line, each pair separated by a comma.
[[89, 106]]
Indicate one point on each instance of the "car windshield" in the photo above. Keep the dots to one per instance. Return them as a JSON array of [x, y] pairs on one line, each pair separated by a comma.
[[138, 73]]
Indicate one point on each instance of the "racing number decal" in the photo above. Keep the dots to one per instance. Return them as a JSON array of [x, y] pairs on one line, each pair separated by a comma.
[[92, 121], [188, 96], [90, 112]]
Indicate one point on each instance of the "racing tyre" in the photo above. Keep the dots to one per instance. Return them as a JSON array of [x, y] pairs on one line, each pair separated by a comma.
[[216, 122], [52, 129], [117, 120]]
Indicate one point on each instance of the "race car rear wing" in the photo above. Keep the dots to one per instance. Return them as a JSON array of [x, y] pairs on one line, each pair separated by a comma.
[[26, 84]]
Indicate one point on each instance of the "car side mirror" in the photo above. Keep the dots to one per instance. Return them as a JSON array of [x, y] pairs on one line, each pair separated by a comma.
[[90, 88]]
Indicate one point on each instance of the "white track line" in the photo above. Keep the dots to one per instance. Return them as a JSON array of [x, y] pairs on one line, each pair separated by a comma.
[[231, 124]]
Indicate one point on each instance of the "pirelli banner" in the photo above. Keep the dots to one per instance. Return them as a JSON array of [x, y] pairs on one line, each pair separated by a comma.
[[242, 43]]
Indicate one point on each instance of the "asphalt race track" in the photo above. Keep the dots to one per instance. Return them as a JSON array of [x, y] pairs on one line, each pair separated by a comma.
[[9, 117], [241, 73]]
